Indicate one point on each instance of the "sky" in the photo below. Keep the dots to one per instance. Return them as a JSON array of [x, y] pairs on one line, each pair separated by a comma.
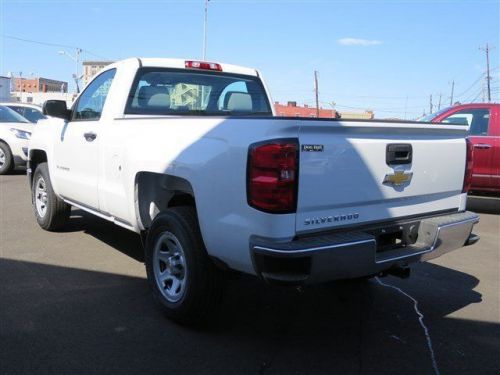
[[386, 56]]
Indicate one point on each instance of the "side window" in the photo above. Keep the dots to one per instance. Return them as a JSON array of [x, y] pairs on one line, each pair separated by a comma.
[[478, 120], [33, 115], [91, 101], [19, 110]]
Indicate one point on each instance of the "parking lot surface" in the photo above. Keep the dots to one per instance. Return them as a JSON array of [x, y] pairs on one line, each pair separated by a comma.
[[77, 302]]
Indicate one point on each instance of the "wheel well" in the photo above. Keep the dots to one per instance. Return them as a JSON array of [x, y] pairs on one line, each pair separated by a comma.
[[4, 142], [155, 192], [36, 157]]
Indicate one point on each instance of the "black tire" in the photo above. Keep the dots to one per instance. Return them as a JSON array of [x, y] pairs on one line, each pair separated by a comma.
[[202, 283], [56, 212], [7, 164]]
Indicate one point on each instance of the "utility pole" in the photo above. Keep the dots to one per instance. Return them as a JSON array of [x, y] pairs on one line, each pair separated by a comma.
[[439, 103], [452, 89], [488, 78], [205, 31], [430, 104], [316, 92], [406, 105]]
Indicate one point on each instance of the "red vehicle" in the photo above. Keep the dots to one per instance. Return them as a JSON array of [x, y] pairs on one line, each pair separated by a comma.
[[484, 133]]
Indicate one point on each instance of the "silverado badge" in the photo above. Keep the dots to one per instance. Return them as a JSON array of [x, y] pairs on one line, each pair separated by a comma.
[[397, 178]]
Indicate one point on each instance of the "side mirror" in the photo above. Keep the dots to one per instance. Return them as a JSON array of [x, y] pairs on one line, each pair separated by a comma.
[[56, 108]]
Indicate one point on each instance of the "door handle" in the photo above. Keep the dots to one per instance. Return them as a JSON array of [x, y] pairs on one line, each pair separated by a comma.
[[482, 146], [90, 136]]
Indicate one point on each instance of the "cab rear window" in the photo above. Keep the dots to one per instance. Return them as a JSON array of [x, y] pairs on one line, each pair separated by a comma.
[[158, 91]]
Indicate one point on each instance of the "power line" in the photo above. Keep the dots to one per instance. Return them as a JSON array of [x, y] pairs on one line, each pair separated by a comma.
[[331, 93], [476, 82], [471, 86], [477, 96], [52, 45]]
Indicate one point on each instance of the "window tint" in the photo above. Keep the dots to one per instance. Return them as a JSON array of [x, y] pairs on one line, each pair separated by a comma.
[[8, 115], [238, 86], [478, 120], [31, 114], [19, 110], [91, 101], [432, 116], [186, 92]]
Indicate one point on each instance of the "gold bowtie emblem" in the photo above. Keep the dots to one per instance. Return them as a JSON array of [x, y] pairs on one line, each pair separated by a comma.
[[398, 178]]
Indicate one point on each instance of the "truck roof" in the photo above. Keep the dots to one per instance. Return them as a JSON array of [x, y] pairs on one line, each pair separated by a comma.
[[474, 105], [176, 63]]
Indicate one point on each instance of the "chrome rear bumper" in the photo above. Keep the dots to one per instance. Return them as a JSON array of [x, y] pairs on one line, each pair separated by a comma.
[[359, 253]]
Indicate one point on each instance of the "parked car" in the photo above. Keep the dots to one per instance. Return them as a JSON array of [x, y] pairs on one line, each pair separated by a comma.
[[15, 132], [31, 112], [189, 155], [483, 121]]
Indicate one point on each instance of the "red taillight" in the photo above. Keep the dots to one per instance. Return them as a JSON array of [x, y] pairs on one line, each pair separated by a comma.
[[272, 176], [203, 65], [469, 162]]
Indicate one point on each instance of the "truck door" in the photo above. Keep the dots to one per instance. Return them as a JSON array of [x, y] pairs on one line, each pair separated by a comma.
[[76, 152], [478, 120]]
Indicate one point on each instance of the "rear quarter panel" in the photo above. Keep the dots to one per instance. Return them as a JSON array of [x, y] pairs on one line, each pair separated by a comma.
[[210, 153]]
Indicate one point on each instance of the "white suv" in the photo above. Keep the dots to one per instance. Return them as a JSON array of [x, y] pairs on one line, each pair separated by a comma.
[[30, 112], [15, 132]]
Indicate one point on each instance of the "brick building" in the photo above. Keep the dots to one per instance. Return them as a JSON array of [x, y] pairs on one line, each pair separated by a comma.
[[91, 68], [366, 115], [291, 109], [39, 84]]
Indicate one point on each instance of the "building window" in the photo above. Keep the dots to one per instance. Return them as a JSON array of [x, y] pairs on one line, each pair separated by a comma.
[[29, 99]]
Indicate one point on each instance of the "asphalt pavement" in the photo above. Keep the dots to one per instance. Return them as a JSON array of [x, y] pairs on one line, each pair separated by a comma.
[[77, 302]]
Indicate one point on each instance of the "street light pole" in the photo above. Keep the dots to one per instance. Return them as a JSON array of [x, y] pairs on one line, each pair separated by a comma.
[[205, 31], [76, 59], [77, 62]]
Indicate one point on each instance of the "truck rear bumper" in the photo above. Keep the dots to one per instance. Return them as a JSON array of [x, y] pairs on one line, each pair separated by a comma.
[[361, 253]]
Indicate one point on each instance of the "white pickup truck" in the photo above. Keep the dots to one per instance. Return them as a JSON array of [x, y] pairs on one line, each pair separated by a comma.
[[189, 155]]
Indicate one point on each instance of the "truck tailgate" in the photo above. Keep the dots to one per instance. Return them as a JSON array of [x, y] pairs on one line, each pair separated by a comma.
[[343, 166]]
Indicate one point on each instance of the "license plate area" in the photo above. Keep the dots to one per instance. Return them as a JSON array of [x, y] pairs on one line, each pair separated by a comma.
[[395, 237]]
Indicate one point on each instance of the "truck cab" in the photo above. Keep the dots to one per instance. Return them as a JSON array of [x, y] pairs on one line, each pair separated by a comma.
[[483, 120]]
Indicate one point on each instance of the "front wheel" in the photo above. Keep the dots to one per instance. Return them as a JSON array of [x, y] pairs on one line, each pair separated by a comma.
[[51, 212], [180, 274]]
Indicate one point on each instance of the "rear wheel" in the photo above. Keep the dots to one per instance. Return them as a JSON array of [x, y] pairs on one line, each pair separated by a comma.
[[6, 159], [182, 277], [51, 212]]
